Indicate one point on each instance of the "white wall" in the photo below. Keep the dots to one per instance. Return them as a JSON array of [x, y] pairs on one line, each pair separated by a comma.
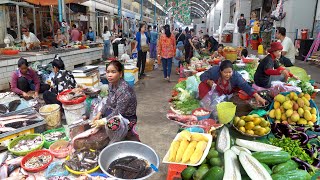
[[300, 14]]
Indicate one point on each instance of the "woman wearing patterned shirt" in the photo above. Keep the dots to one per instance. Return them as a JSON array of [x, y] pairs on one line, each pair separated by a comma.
[[121, 99], [167, 50], [62, 80]]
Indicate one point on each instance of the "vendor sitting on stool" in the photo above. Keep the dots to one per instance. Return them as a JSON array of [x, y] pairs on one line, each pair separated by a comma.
[[25, 79], [269, 68], [227, 81], [121, 100], [61, 81]]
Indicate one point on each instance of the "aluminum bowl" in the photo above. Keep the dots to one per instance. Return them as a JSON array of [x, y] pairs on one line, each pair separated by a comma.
[[127, 148]]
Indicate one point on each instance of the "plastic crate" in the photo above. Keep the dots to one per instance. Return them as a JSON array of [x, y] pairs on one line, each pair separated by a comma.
[[174, 171]]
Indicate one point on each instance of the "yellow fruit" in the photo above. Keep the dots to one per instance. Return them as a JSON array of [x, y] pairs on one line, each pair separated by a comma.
[[284, 122], [257, 121], [184, 135], [300, 102], [287, 105], [300, 112], [256, 127], [314, 118], [283, 117], [310, 123], [292, 94], [281, 98], [261, 131], [251, 132], [287, 98], [272, 113], [196, 156], [295, 117], [241, 123], [248, 118], [301, 95], [264, 123], [267, 129], [307, 115], [242, 117], [242, 129], [278, 114], [307, 96], [189, 151], [282, 110], [276, 121], [255, 115], [173, 150], [289, 112], [313, 111], [276, 105], [249, 125], [295, 97], [302, 121], [306, 101], [198, 137], [183, 145], [295, 106], [306, 108], [236, 120]]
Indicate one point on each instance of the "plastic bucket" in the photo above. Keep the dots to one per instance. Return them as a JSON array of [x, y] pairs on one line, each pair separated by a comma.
[[51, 114], [129, 78], [73, 112], [255, 44]]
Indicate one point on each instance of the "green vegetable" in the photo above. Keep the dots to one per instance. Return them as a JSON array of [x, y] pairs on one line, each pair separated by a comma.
[[297, 174], [299, 72], [187, 106], [292, 147], [284, 167], [272, 157], [215, 173], [182, 85], [213, 153], [267, 168], [200, 172], [306, 87], [215, 162], [187, 173]]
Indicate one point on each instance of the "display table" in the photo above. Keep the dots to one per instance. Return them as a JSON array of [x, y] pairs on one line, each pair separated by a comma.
[[71, 58]]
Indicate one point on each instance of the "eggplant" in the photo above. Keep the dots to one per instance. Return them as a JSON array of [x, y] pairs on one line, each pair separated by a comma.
[[294, 136], [313, 136], [299, 129], [316, 163], [303, 164], [304, 138]]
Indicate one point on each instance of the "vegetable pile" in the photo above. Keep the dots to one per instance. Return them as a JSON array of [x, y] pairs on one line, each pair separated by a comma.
[[306, 87]]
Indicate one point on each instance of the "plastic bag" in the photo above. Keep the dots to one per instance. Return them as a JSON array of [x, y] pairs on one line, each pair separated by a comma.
[[92, 105], [117, 128], [56, 169], [196, 54], [278, 87], [192, 85]]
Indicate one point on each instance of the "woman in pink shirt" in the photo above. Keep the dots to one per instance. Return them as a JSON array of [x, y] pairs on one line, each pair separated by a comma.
[[167, 50], [75, 33]]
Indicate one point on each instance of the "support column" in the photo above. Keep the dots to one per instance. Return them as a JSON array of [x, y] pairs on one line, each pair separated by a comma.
[[64, 16], [225, 14], [155, 15], [34, 21], [120, 11], [92, 15], [18, 22], [141, 11], [3, 27], [60, 10]]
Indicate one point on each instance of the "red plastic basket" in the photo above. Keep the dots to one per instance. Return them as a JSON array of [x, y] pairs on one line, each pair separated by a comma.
[[174, 171], [10, 52], [71, 102], [36, 153]]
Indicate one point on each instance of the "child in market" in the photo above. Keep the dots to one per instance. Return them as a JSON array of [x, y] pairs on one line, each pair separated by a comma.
[[179, 57]]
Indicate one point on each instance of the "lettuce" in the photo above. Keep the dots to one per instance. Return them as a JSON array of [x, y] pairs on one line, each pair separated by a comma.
[[299, 72]]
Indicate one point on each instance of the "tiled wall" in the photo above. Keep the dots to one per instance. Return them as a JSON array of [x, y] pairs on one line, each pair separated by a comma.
[[70, 60]]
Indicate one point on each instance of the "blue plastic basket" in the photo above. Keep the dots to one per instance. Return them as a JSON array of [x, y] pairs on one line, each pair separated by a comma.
[[129, 78], [312, 104]]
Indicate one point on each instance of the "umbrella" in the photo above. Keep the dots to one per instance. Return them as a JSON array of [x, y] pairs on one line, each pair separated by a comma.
[[51, 2]]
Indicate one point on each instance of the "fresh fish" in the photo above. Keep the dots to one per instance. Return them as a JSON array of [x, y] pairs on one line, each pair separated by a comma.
[[12, 117], [86, 133], [13, 105], [79, 160], [54, 136], [181, 118], [3, 109], [12, 121], [89, 161], [7, 129], [3, 171], [16, 177], [3, 157], [15, 161]]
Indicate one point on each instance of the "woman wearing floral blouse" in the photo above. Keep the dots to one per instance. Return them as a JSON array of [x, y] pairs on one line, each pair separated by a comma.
[[167, 50], [121, 100]]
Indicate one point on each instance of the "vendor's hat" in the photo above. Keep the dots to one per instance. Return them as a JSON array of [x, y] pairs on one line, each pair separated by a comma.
[[275, 46], [180, 44]]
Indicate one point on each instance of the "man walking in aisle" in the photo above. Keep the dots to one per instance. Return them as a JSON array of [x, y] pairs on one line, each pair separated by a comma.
[[288, 50], [153, 43], [242, 30]]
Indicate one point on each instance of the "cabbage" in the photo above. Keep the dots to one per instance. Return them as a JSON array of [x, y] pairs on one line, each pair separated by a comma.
[[299, 72]]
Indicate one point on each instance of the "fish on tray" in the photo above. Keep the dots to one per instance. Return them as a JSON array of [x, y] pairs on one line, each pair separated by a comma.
[[13, 105], [181, 118], [85, 134], [3, 109], [129, 167], [54, 136], [82, 160], [7, 129], [26, 145]]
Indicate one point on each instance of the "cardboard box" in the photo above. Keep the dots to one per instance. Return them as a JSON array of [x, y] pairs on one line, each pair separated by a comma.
[[91, 81], [134, 72]]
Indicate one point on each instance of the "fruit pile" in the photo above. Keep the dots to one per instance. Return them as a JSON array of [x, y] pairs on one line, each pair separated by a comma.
[[252, 125], [293, 109], [188, 148]]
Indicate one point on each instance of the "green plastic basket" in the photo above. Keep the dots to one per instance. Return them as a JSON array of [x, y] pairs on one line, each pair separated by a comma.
[[47, 144], [24, 137]]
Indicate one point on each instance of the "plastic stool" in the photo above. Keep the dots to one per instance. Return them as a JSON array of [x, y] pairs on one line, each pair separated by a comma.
[[174, 171]]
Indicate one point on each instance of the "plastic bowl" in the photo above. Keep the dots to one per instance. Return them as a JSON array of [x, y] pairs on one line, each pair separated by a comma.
[[47, 144], [201, 117], [28, 136], [35, 154], [247, 60], [63, 149], [195, 129]]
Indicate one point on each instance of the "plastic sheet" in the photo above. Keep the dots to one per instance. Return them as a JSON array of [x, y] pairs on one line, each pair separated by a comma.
[[117, 128], [192, 85], [55, 169]]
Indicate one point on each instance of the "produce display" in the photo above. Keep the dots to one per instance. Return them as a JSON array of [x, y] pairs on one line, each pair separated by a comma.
[[306, 87], [200, 112], [252, 125], [129, 167], [293, 109]]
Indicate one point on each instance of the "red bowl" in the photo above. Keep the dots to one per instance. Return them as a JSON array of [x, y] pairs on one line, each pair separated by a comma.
[[70, 102], [242, 95], [10, 52], [36, 153], [247, 60]]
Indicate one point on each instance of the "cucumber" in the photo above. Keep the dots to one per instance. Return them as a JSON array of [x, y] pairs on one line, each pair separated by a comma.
[[231, 166], [256, 146], [297, 174], [253, 168], [272, 158], [237, 149], [187, 173], [215, 173], [223, 140], [286, 166], [267, 168]]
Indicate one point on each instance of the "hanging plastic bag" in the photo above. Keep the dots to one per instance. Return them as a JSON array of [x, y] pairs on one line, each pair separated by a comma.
[[117, 128], [196, 54], [192, 85]]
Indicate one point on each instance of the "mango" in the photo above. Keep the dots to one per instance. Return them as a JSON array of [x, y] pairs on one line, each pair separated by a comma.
[[281, 98], [236, 120], [306, 101], [310, 123], [282, 110], [300, 112], [302, 121], [249, 118], [314, 118], [278, 114], [257, 121], [265, 123], [308, 97], [272, 113], [313, 111], [292, 95], [295, 97], [287, 98], [306, 108], [251, 132], [256, 127], [295, 117], [287, 105], [295, 106], [261, 131], [307, 115], [289, 112], [249, 125], [283, 117], [301, 95], [300, 102], [276, 105]]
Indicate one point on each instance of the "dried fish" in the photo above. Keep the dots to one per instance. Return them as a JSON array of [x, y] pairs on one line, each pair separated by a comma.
[[37, 161], [12, 117], [13, 105]]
